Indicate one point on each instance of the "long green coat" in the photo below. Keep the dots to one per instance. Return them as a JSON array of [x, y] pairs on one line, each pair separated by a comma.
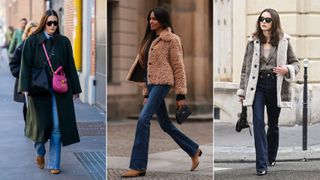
[[39, 115]]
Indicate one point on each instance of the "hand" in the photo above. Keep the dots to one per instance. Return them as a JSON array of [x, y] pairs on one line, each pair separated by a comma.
[[282, 70], [75, 96], [241, 98], [25, 93], [145, 101], [180, 103]]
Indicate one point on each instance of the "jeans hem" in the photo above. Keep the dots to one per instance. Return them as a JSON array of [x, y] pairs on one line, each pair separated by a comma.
[[52, 167], [138, 169]]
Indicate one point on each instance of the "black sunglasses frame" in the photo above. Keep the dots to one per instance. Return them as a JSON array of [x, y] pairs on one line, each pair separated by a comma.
[[266, 19], [49, 23]]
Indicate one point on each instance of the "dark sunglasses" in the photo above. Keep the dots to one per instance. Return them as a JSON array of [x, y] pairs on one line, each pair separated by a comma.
[[55, 23], [267, 20]]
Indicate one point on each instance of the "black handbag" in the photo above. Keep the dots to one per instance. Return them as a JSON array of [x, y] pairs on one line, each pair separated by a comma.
[[39, 81], [242, 122], [182, 114]]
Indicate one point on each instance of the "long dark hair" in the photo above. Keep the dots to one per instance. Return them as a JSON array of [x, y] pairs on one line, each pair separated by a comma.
[[43, 21], [162, 15], [276, 30]]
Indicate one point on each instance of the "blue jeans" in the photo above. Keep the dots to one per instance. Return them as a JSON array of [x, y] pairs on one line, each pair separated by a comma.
[[266, 145], [55, 140], [156, 104]]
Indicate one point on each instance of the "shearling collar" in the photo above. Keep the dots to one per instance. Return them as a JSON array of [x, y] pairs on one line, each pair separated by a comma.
[[285, 36], [166, 34]]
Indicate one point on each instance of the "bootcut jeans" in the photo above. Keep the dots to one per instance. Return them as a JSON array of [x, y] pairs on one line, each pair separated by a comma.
[[156, 104]]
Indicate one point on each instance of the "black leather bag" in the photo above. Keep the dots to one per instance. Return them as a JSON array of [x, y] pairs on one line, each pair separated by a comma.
[[39, 82], [182, 114], [242, 122]]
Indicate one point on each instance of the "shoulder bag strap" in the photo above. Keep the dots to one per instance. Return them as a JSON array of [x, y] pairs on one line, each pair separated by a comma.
[[48, 59]]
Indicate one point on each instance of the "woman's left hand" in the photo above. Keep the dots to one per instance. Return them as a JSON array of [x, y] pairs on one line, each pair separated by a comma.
[[75, 96], [283, 70], [180, 103]]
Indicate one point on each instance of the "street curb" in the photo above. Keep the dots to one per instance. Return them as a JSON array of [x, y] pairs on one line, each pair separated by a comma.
[[253, 161], [191, 118], [285, 154]]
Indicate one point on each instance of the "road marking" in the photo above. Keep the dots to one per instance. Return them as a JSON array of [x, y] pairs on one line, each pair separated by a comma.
[[219, 169]]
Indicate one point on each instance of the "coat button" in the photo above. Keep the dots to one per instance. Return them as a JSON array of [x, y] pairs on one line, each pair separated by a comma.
[[255, 66], [252, 89], [149, 63], [267, 64], [253, 77], [151, 49], [257, 42]]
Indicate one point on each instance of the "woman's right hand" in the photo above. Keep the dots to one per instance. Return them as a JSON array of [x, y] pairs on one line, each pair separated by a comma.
[[25, 93], [241, 98], [145, 101]]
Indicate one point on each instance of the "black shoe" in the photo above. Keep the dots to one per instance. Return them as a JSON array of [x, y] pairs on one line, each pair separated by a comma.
[[261, 172], [273, 163]]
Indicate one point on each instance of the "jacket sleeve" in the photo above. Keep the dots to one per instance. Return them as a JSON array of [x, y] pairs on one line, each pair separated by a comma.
[[293, 65], [241, 90], [71, 71], [13, 43], [176, 61], [15, 61], [145, 92], [26, 66]]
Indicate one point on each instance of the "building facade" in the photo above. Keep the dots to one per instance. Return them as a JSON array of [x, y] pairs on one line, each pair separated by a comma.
[[29, 9], [127, 19], [234, 22]]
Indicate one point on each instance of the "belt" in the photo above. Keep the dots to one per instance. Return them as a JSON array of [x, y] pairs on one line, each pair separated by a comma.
[[267, 75]]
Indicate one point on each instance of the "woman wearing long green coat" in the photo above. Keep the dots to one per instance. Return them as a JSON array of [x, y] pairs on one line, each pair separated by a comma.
[[50, 115]]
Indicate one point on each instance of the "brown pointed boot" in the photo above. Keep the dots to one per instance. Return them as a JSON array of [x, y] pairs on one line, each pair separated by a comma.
[[133, 173], [195, 160], [40, 162]]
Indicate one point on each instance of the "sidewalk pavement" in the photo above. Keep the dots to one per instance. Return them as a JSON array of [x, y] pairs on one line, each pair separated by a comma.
[[231, 146], [81, 161], [166, 160]]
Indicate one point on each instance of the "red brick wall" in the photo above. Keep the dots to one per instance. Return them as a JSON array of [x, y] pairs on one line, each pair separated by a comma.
[[30, 9], [38, 8], [69, 9]]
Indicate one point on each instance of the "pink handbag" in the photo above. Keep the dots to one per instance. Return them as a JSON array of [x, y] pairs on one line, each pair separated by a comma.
[[59, 81]]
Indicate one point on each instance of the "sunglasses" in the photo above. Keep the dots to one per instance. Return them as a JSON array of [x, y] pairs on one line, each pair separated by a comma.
[[55, 23], [267, 19]]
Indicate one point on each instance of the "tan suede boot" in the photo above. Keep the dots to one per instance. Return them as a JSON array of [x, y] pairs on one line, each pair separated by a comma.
[[40, 162], [55, 171], [195, 160], [133, 173]]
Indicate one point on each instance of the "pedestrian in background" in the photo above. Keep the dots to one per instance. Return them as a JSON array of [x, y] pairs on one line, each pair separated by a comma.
[[2, 44], [159, 66], [15, 63], [50, 115], [8, 35], [269, 66], [17, 37]]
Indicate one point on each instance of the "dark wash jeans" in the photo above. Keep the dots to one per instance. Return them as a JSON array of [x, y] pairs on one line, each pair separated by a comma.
[[266, 145], [156, 104]]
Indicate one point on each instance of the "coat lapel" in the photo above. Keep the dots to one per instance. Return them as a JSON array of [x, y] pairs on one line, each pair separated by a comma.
[[254, 73]]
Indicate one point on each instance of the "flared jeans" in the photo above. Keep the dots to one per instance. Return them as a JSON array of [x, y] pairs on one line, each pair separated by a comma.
[[266, 145], [55, 140], [156, 104]]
